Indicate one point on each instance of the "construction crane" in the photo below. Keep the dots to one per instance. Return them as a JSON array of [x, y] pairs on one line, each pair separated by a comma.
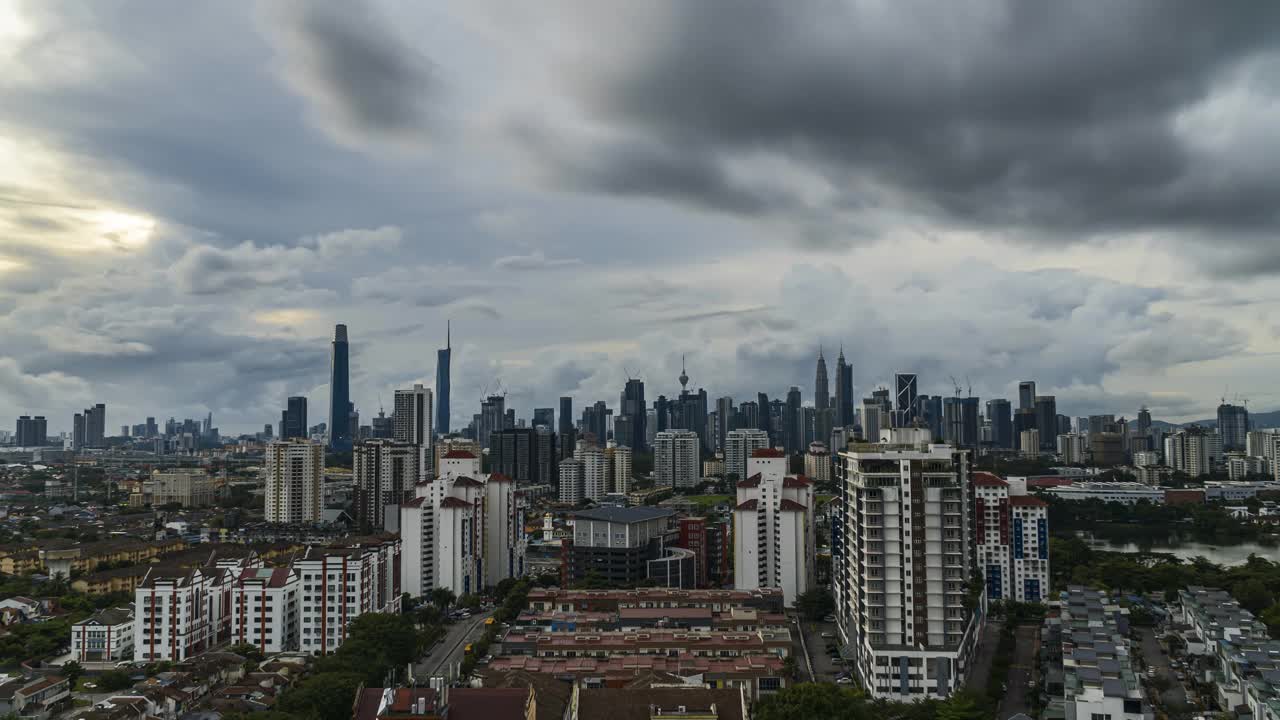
[[956, 384]]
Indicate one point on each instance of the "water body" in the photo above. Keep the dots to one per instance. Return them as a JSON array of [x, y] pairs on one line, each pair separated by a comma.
[[1225, 555]]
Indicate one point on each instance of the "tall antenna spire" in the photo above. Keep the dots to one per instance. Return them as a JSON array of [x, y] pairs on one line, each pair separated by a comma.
[[684, 376], [448, 334]]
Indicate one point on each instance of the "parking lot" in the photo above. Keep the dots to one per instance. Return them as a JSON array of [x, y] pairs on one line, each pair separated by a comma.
[[825, 668], [1174, 699]]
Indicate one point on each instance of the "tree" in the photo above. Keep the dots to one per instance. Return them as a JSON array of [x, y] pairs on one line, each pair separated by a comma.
[[114, 680], [962, 706], [248, 651], [1271, 616], [1253, 595], [815, 604], [323, 696], [72, 671], [809, 700], [442, 597]]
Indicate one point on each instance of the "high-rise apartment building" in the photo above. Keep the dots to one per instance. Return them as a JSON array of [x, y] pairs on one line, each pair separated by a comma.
[[1072, 449], [739, 445], [443, 358], [774, 537], [618, 460], [265, 609], [31, 431], [1029, 442], [817, 463], [901, 567], [412, 416], [384, 473], [294, 473], [340, 391], [725, 413], [1193, 450], [342, 582], [524, 454], [463, 530], [95, 426], [1233, 426], [183, 612], [677, 460], [1046, 408], [1011, 532]]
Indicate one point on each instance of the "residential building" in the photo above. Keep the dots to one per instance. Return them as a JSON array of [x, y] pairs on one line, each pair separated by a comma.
[[1146, 458], [294, 476], [526, 455], [572, 481], [1071, 449], [1245, 661], [412, 416], [1029, 442], [1090, 651], [1241, 466], [182, 612], [1011, 533], [774, 537], [900, 574], [384, 473], [1193, 450], [739, 445], [32, 431], [34, 697], [618, 460], [817, 463], [188, 488], [265, 609], [95, 426], [765, 600], [293, 419], [105, 636], [342, 582], [677, 459], [463, 530], [615, 544]]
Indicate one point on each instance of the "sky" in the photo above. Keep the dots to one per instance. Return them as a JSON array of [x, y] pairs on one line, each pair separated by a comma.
[[192, 194]]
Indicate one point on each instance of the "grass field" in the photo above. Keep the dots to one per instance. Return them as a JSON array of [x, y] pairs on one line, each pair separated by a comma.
[[708, 501]]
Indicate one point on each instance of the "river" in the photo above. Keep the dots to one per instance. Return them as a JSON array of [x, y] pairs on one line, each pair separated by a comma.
[[1218, 554]]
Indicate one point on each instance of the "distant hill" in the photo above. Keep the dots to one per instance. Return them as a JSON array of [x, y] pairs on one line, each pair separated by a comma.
[[1256, 420]]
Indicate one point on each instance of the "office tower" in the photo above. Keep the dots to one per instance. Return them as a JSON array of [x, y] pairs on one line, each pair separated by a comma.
[[1193, 450], [412, 416], [844, 391], [762, 413], [293, 420], [595, 422], [77, 431], [634, 408], [152, 429], [545, 417], [340, 392], [1233, 426], [774, 542], [31, 431], [661, 415], [724, 421], [462, 531], [353, 422], [1027, 395], [792, 429], [443, 357], [295, 473], [824, 421], [904, 385], [930, 414], [960, 420], [568, 433], [870, 420], [1046, 407], [739, 445], [509, 418], [1101, 423], [900, 587], [493, 418], [1144, 422], [999, 413], [95, 426], [1072, 449], [383, 473], [342, 581], [1064, 424], [1011, 530], [523, 454], [821, 393], [677, 459]]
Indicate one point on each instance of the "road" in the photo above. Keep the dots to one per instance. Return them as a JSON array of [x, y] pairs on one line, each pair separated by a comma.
[[1174, 699], [1026, 645], [987, 643], [823, 669], [449, 650]]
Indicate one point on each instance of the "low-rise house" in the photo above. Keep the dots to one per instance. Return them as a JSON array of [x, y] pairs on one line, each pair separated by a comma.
[[26, 607], [34, 697], [116, 708], [678, 703]]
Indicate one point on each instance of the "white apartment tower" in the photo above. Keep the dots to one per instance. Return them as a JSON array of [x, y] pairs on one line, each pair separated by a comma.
[[264, 609], [571, 481], [901, 560], [738, 446], [1011, 531], [295, 471], [1194, 451], [620, 468], [463, 530], [182, 612], [1072, 449], [411, 422], [676, 459], [817, 463], [773, 528], [384, 472], [339, 584]]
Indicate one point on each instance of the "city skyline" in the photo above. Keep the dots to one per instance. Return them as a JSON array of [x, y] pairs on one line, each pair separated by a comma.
[[168, 251]]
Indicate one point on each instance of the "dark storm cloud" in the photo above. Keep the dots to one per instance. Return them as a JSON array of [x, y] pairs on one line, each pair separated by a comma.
[[347, 57], [1049, 119]]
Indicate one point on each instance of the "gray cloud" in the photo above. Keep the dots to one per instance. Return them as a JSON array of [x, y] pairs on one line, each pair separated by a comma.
[[1046, 120], [536, 260]]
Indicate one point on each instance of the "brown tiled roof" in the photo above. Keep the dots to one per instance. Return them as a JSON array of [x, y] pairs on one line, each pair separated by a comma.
[[459, 455], [1027, 501], [639, 703], [453, 502], [465, 481], [767, 453], [488, 703], [751, 504], [753, 481], [788, 504], [986, 479], [796, 481]]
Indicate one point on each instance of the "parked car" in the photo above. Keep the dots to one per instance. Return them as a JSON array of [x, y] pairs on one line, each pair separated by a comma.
[[828, 635], [846, 680]]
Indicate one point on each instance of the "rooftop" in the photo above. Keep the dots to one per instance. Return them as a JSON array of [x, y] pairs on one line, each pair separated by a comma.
[[623, 515]]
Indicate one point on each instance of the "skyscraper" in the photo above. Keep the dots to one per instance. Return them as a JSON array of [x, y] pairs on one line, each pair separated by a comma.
[[844, 391], [636, 411], [32, 431], [443, 357], [384, 473], [340, 392], [774, 539], [568, 435], [295, 473], [999, 413], [1144, 422], [411, 416], [95, 426], [904, 385], [1046, 407], [1027, 395], [523, 454], [77, 431], [1233, 426], [793, 423], [493, 418], [544, 416], [724, 420], [821, 393], [676, 461], [739, 445], [293, 420]]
